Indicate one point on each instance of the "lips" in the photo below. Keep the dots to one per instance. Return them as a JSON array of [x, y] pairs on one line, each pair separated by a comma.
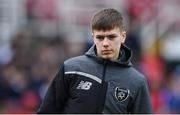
[[106, 52]]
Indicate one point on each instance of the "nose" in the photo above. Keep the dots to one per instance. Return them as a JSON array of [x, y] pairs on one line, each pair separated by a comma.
[[105, 42]]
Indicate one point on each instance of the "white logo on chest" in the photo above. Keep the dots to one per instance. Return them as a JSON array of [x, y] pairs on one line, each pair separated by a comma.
[[121, 94], [84, 85]]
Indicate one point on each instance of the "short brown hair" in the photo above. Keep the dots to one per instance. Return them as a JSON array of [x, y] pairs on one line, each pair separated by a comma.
[[107, 19]]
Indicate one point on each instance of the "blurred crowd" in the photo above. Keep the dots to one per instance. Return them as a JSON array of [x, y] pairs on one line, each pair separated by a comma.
[[25, 77], [36, 36]]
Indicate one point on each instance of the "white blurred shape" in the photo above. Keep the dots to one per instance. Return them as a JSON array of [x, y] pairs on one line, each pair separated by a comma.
[[6, 54], [171, 47]]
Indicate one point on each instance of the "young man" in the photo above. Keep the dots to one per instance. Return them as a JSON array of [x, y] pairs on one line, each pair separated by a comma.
[[103, 80]]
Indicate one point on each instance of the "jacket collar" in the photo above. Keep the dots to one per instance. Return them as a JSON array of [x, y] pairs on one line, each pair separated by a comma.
[[123, 60]]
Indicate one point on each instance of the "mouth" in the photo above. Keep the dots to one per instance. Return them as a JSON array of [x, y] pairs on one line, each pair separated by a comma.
[[106, 52]]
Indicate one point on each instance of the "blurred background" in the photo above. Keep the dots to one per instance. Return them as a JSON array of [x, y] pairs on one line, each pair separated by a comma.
[[36, 36]]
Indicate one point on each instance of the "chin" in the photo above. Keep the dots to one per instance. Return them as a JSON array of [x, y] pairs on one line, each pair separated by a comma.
[[107, 57]]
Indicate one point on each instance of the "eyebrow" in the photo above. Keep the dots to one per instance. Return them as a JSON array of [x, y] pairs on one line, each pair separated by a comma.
[[106, 35]]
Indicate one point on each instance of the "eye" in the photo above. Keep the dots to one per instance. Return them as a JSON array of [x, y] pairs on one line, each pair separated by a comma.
[[111, 37], [100, 38]]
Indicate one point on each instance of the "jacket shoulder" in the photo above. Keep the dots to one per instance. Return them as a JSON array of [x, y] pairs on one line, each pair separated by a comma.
[[76, 62], [137, 77]]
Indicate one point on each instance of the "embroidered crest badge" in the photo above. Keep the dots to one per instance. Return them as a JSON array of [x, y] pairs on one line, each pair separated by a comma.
[[121, 94]]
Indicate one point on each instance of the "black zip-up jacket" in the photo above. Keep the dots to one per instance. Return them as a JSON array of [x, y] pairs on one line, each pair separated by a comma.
[[89, 84]]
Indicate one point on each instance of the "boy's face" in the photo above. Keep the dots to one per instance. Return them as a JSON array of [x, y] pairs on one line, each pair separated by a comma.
[[108, 42]]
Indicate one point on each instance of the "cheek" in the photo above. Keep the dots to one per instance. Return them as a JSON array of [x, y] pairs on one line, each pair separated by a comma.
[[98, 45], [117, 44], [95, 41]]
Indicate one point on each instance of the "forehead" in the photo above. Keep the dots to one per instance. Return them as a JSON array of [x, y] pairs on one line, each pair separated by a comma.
[[106, 32]]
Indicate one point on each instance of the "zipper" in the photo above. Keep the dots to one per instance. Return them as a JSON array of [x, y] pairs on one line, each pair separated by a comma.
[[103, 90]]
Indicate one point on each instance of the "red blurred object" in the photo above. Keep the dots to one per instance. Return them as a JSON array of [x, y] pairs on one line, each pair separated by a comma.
[[27, 104], [141, 7]]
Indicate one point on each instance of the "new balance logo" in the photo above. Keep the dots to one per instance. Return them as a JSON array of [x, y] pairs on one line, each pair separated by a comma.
[[84, 85]]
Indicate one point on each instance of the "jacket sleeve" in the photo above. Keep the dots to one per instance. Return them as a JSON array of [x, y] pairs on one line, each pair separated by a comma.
[[142, 103], [56, 95]]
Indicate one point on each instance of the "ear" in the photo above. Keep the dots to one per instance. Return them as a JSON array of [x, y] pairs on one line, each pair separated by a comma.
[[123, 34], [92, 35]]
